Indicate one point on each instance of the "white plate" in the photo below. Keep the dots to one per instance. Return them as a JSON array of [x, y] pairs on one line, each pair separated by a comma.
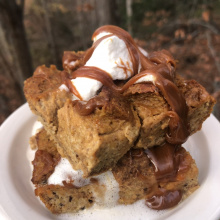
[[17, 200]]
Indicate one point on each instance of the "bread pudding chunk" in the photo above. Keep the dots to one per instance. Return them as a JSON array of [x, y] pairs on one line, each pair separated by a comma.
[[162, 177], [158, 69]]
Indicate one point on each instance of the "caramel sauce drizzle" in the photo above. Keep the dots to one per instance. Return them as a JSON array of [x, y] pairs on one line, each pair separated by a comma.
[[69, 59], [67, 81], [178, 115], [125, 36], [125, 68], [97, 74], [167, 160], [86, 108], [164, 199], [161, 65]]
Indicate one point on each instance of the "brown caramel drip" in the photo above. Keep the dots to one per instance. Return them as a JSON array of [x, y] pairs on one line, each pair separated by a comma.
[[68, 58], [124, 67], [169, 91], [131, 45], [86, 108], [160, 64], [90, 51], [67, 81], [166, 160], [164, 200], [73, 89], [133, 50], [136, 56], [162, 56], [178, 117], [156, 58], [97, 74], [178, 129], [105, 78]]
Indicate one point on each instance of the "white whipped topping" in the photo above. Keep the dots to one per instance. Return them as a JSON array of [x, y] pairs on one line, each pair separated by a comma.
[[112, 56], [36, 127], [63, 87], [86, 87], [64, 172], [102, 34], [111, 195], [147, 78]]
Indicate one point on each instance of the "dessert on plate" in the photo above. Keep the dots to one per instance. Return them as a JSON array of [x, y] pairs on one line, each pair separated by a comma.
[[63, 189], [115, 110]]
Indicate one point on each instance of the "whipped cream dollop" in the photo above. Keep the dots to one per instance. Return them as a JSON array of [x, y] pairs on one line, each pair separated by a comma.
[[147, 78], [64, 172], [115, 54], [112, 56]]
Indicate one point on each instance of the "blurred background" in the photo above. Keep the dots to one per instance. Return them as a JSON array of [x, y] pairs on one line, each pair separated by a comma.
[[36, 32]]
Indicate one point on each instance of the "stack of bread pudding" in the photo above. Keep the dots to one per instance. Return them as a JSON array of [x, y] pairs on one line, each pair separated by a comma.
[[114, 120]]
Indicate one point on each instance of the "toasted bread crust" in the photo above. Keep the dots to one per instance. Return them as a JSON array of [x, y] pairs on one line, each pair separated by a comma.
[[95, 143]]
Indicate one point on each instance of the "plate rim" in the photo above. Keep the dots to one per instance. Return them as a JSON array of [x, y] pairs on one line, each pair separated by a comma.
[[14, 117]]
